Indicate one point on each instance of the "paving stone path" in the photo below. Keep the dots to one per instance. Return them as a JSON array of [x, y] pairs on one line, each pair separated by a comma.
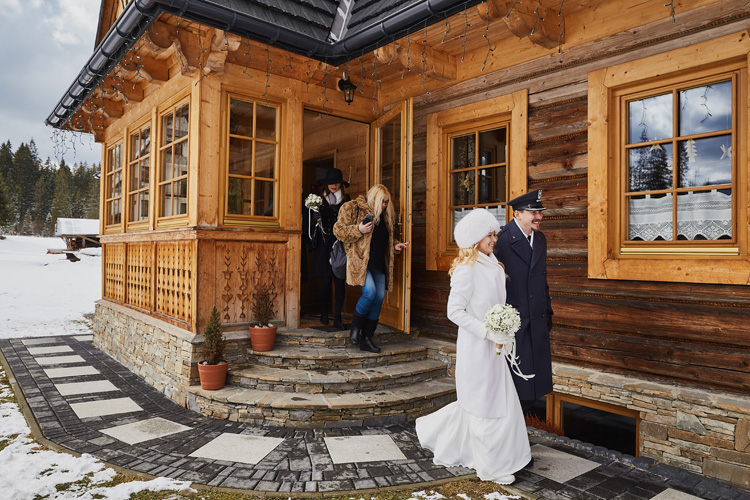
[[82, 400]]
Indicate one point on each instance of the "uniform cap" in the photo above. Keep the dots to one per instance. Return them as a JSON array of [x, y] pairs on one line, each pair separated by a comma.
[[529, 201]]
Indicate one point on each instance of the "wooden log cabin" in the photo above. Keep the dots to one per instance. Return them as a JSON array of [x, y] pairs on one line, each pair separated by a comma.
[[632, 117]]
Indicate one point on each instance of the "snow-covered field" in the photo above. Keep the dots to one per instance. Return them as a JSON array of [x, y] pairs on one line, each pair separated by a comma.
[[43, 295]]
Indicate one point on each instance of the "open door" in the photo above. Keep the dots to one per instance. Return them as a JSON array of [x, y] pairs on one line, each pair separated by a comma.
[[391, 144]]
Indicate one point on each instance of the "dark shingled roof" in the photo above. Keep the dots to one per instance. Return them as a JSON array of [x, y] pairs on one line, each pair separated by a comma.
[[300, 26]]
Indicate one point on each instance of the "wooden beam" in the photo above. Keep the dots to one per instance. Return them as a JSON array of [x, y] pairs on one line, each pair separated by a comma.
[[145, 68], [119, 90], [436, 65], [109, 108], [221, 44], [525, 19], [189, 52]]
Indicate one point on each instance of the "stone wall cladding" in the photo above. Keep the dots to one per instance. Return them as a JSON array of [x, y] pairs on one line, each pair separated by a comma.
[[164, 356], [699, 430]]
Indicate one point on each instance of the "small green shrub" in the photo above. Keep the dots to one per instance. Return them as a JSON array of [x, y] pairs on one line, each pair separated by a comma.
[[214, 342]]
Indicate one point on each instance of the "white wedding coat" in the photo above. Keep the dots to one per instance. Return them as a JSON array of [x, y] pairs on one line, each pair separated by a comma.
[[484, 429]]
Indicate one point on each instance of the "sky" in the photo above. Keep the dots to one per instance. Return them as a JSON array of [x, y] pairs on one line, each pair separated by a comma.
[[45, 45]]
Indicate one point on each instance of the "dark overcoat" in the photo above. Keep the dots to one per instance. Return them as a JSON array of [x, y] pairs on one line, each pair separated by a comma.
[[321, 237], [528, 291]]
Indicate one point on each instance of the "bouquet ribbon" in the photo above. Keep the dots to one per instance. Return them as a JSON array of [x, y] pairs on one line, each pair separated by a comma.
[[509, 352]]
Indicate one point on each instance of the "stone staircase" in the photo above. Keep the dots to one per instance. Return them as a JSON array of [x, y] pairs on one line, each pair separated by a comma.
[[314, 379]]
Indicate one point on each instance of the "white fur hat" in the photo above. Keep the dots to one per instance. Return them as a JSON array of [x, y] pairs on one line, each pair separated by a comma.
[[474, 226]]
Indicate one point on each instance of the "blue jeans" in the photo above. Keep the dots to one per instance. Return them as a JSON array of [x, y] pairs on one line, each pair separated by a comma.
[[373, 293]]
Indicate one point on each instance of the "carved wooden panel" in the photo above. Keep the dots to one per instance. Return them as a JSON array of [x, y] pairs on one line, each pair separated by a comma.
[[139, 275], [114, 269], [175, 261], [240, 268]]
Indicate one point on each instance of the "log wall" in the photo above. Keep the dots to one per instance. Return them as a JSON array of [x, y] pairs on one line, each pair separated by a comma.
[[680, 332]]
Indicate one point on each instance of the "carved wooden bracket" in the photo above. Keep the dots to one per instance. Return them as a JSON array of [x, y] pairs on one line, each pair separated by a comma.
[[437, 65], [222, 43], [110, 109], [525, 19]]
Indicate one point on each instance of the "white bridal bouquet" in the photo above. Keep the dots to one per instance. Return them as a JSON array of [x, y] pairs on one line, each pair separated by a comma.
[[502, 321], [313, 201]]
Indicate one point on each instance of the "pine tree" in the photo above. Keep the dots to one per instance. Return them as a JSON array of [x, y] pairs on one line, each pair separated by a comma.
[[6, 210], [61, 202], [23, 181]]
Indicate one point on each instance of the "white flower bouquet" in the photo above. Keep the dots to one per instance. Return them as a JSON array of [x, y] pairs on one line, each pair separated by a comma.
[[313, 201], [501, 322]]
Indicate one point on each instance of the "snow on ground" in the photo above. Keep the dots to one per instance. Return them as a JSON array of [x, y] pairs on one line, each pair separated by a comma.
[[44, 295]]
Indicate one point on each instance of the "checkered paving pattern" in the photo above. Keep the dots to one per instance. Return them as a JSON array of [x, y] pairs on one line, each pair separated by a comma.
[[87, 402]]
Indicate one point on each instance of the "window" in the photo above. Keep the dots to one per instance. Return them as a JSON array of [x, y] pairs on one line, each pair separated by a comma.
[[252, 160], [173, 161], [476, 158], [667, 167], [138, 174], [113, 186], [678, 163], [477, 163]]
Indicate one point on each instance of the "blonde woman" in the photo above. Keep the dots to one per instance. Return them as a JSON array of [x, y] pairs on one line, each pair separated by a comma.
[[484, 429], [365, 226]]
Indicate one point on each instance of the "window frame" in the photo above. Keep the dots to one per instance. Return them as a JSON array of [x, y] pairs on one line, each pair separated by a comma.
[[142, 224], [231, 219], [611, 255], [109, 177], [158, 189], [510, 110]]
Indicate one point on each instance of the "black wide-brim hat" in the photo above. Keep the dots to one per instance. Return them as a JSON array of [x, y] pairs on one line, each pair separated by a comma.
[[333, 176], [529, 201]]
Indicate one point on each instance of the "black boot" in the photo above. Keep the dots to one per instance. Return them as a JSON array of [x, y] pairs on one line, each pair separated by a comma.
[[324, 318], [368, 332], [338, 322], [358, 322]]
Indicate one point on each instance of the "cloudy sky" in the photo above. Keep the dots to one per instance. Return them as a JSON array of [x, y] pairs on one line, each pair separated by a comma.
[[45, 43]]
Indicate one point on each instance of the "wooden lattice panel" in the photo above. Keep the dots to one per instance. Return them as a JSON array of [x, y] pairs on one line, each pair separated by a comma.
[[114, 271], [174, 279], [140, 272]]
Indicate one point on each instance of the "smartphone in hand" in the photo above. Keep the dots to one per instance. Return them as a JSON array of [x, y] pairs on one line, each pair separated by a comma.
[[368, 219]]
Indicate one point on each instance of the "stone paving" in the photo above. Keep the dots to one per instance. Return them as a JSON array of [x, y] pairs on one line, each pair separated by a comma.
[[84, 401]]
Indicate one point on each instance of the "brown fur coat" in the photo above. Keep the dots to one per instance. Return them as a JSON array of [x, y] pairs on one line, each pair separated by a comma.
[[357, 245]]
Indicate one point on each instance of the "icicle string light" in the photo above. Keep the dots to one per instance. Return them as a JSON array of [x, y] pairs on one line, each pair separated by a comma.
[[466, 29], [289, 64], [424, 59], [671, 7], [249, 60], [447, 30], [489, 45], [513, 6], [268, 74], [561, 25], [395, 52], [538, 16], [199, 57], [408, 57]]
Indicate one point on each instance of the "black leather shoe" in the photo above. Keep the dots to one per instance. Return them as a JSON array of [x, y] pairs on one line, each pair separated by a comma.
[[324, 318], [338, 323], [366, 345]]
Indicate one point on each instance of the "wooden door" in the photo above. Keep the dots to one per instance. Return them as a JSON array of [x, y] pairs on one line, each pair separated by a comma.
[[391, 158]]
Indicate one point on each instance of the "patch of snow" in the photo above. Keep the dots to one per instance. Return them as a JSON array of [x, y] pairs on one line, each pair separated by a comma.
[[46, 295]]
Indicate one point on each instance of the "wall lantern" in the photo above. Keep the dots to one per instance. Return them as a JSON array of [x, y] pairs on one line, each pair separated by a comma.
[[348, 88]]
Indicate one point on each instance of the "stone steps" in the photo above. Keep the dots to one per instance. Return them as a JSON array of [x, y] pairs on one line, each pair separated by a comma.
[[335, 357], [325, 410], [316, 380], [308, 337]]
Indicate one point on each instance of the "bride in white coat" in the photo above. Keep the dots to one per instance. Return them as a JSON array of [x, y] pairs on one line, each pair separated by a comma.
[[484, 429]]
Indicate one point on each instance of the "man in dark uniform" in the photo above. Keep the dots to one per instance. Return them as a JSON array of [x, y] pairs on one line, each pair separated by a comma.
[[522, 249]]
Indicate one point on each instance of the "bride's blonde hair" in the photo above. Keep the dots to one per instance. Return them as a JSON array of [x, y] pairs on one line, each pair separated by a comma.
[[465, 256]]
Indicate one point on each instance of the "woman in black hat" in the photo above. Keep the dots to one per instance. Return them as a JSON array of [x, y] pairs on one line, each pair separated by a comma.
[[320, 233]]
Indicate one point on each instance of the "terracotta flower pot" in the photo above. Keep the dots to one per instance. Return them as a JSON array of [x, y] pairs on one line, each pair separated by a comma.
[[213, 377], [262, 339]]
